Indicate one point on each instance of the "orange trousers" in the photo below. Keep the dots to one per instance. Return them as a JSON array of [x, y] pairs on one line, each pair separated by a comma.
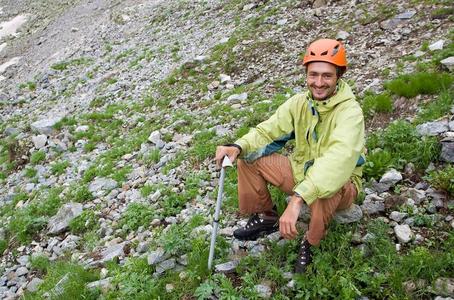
[[254, 197]]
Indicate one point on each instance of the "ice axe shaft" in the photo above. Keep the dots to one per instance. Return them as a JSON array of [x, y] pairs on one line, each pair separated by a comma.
[[225, 163]]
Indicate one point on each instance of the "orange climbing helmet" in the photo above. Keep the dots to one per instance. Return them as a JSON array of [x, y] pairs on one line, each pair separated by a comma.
[[326, 50]]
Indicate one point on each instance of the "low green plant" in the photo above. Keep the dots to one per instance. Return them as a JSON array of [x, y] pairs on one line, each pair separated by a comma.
[[66, 280], [3, 246], [40, 263], [79, 193], [30, 172], [399, 144], [373, 103], [153, 157], [30, 219], [37, 157], [443, 179], [136, 215], [433, 110], [84, 222], [75, 62], [411, 85], [59, 168]]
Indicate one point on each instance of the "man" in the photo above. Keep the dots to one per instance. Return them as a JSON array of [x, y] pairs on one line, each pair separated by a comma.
[[324, 169]]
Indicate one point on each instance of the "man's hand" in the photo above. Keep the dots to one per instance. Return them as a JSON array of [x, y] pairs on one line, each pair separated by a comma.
[[287, 222], [221, 151]]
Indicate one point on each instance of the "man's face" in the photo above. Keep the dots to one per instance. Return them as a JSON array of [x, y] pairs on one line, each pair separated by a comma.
[[321, 79]]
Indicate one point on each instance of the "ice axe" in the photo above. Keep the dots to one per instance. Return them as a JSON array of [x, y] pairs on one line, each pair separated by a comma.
[[225, 163]]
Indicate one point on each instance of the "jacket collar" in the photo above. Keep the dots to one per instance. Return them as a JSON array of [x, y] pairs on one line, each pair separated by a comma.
[[343, 93]]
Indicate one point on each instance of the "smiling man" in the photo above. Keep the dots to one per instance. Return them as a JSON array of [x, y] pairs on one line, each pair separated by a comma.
[[325, 167]]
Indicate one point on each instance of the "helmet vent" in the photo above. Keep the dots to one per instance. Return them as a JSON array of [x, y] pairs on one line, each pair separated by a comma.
[[312, 53], [335, 50], [324, 53]]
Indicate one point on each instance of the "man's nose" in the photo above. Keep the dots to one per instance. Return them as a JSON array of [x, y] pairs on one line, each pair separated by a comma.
[[319, 81]]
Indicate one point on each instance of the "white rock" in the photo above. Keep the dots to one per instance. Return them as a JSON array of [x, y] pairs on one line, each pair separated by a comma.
[[155, 137], [392, 176], [448, 63], [403, 233], [34, 284], [39, 141], [438, 45], [342, 35], [263, 290], [66, 214], [249, 6], [83, 128], [397, 216], [236, 98], [282, 22], [224, 78], [433, 128]]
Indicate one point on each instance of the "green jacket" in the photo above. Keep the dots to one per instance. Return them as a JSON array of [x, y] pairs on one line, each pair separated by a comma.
[[329, 141]]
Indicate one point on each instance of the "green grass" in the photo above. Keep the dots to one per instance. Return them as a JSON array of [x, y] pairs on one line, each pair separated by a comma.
[[79, 193], [411, 85], [59, 168], [437, 108], [373, 103], [37, 157], [61, 66], [30, 172]]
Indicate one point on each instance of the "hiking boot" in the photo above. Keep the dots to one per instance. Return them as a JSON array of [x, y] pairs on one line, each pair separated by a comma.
[[257, 226], [304, 257]]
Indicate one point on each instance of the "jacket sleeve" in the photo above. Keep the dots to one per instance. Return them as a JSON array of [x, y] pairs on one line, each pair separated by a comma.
[[270, 135], [333, 169]]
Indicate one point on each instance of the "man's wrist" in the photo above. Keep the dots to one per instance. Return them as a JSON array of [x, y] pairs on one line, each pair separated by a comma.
[[297, 198], [234, 145]]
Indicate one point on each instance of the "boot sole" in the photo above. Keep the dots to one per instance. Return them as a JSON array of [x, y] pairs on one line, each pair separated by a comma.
[[256, 235]]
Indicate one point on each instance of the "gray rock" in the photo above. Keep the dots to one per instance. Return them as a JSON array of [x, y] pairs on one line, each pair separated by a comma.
[[142, 247], [227, 267], [263, 290], [417, 195], [256, 250], [45, 126], [21, 271], [155, 196], [373, 207], [113, 252], [444, 287], [397, 216], [156, 256], [164, 266], [103, 284], [155, 137], [102, 184], [34, 284], [438, 45], [221, 130], [60, 222], [349, 215], [39, 141], [249, 6], [319, 3], [448, 63], [447, 150], [11, 131], [392, 23], [433, 128], [403, 233], [282, 22]]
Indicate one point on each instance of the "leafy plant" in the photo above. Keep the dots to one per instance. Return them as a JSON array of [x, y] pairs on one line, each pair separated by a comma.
[[84, 222], [136, 215], [443, 179], [79, 193], [59, 168]]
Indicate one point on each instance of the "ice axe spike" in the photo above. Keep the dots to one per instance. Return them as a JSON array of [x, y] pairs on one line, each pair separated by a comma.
[[225, 163]]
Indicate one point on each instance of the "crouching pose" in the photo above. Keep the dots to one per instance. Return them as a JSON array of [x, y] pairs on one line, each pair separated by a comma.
[[324, 169]]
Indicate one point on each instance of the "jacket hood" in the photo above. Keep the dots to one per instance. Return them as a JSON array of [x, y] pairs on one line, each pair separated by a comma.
[[343, 93]]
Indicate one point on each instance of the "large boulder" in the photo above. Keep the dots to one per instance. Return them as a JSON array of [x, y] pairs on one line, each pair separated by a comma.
[[60, 222]]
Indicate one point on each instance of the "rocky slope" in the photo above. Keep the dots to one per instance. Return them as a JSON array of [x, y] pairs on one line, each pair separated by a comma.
[[110, 111]]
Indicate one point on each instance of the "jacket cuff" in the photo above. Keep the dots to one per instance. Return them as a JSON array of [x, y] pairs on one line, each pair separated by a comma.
[[307, 191], [243, 147]]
